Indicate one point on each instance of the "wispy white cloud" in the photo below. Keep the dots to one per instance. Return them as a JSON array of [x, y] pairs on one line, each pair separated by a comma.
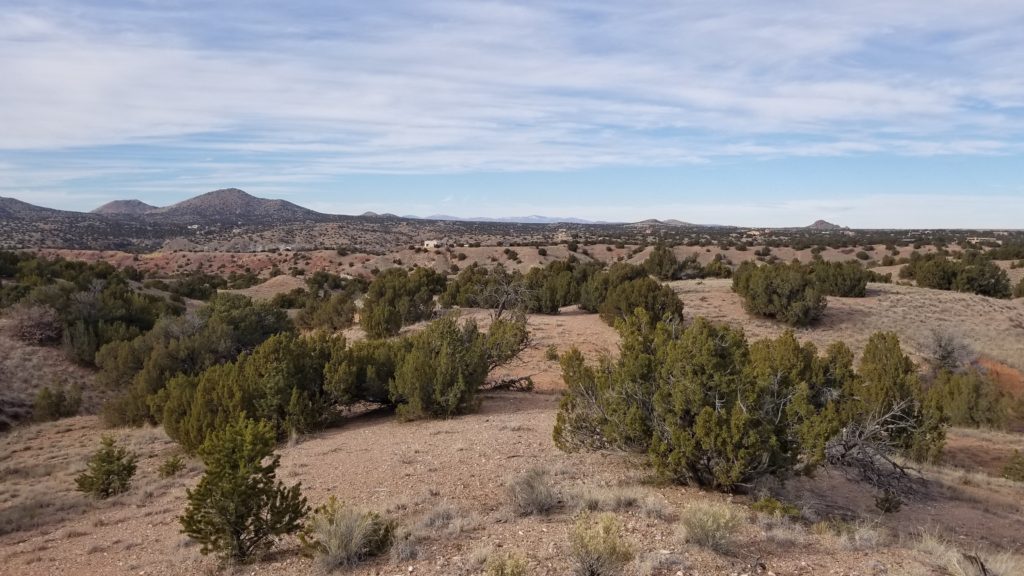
[[289, 93]]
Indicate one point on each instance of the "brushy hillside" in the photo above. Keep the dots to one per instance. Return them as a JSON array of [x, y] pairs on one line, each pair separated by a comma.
[[24, 370], [990, 326]]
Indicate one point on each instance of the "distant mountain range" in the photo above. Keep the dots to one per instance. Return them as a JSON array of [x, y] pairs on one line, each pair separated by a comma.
[[534, 219], [231, 206]]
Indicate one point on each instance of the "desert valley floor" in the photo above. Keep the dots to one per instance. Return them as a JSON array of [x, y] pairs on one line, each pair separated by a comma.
[[445, 480]]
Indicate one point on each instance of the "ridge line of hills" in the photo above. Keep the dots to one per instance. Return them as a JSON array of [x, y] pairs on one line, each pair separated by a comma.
[[232, 205]]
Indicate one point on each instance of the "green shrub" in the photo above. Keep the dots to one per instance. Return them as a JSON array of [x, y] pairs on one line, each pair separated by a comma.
[[139, 369], [977, 274], [711, 525], [969, 399], [339, 535], [532, 493], [110, 470], [397, 298], [726, 421], [785, 292], [440, 375], [888, 380], [774, 507], [239, 507], [281, 383], [842, 279], [597, 548], [1014, 468], [171, 466], [336, 312], [662, 263], [557, 284], [363, 370], [594, 291], [52, 404], [645, 293], [713, 410]]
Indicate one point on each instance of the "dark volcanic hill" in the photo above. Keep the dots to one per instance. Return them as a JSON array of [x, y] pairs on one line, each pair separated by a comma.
[[11, 208], [24, 225], [127, 207], [232, 205], [824, 225]]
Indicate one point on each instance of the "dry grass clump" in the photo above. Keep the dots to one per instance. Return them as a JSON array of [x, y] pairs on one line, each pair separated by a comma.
[[405, 546], [656, 563], [34, 324], [339, 535], [532, 493], [591, 499], [597, 548], [712, 525], [943, 555], [780, 529], [447, 519], [507, 564], [857, 536]]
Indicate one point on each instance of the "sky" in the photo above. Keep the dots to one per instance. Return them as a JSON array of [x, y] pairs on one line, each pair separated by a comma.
[[875, 113]]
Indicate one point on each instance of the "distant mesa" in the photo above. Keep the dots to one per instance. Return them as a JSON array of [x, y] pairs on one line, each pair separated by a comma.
[[126, 207], [669, 222], [532, 219], [825, 225]]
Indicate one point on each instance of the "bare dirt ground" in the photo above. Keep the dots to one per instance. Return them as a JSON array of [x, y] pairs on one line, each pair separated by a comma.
[[990, 326], [414, 469]]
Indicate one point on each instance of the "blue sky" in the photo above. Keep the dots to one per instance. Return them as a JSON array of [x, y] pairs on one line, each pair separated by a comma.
[[871, 114]]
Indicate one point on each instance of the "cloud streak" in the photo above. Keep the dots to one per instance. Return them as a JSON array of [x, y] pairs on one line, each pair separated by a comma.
[[322, 89]]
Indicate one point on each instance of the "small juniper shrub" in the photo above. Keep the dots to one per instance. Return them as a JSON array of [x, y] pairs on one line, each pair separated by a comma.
[[171, 466], [57, 402], [110, 471], [239, 508]]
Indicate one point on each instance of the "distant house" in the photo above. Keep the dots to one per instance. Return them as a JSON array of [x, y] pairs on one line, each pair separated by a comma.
[[435, 244], [983, 239]]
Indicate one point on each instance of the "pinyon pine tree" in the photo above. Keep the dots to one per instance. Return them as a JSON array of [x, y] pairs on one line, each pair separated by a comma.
[[239, 506]]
